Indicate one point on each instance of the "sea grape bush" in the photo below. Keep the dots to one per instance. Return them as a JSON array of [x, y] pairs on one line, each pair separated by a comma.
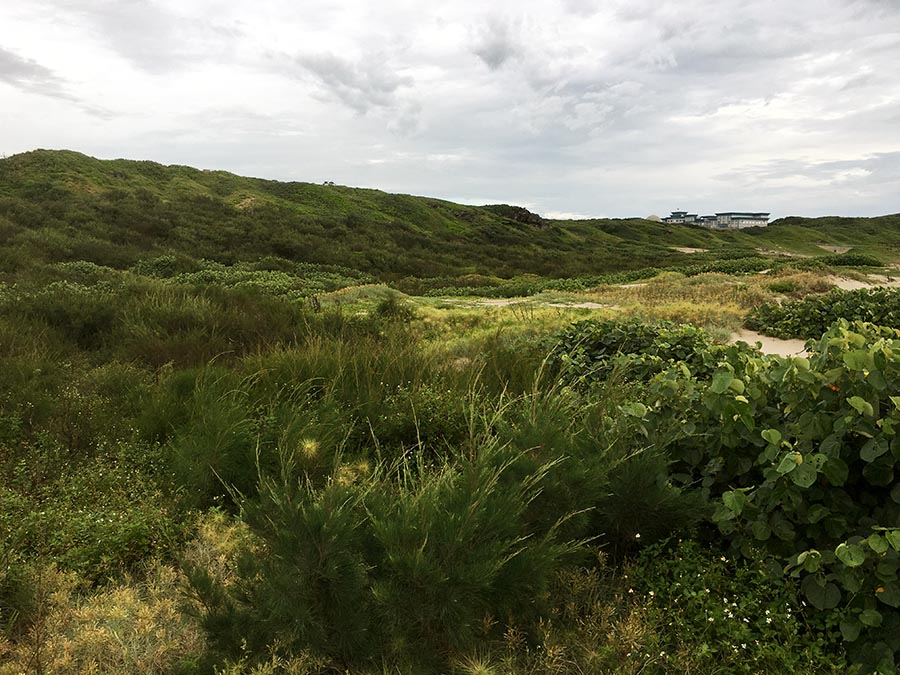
[[800, 456], [823, 496], [812, 315], [589, 351]]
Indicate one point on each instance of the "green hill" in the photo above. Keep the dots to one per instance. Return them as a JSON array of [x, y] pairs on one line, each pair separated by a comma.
[[58, 206]]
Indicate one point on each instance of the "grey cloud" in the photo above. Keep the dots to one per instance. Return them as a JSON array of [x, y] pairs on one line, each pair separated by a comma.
[[29, 75], [877, 168], [406, 120], [495, 44], [362, 85]]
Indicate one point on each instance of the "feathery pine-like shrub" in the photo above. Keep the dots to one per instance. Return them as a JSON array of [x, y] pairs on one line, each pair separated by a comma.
[[406, 564], [640, 505]]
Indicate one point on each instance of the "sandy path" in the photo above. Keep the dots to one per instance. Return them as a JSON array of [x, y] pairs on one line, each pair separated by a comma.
[[770, 345]]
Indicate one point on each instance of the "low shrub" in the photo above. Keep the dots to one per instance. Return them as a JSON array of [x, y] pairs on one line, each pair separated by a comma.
[[404, 565], [812, 315]]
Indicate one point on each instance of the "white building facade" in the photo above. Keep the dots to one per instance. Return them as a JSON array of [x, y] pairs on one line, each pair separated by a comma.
[[735, 220]]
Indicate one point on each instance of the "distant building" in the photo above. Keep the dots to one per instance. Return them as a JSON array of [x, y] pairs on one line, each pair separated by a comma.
[[734, 220], [740, 219], [681, 217]]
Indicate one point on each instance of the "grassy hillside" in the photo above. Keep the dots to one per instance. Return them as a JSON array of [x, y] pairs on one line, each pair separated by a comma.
[[58, 206]]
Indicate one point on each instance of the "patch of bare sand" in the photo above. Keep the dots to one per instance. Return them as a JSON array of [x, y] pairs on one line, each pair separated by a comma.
[[869, 281], [786, 254], [581, 305], [688, 249], [770, 345], [507, 302]]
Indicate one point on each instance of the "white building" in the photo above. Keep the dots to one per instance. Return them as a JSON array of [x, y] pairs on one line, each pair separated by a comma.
[[741, 219], [735, 220]]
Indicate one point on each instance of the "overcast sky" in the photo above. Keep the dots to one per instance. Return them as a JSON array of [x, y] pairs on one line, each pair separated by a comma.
[[570, 107]]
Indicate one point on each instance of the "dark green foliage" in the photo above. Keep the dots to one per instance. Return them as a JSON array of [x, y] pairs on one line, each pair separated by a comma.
[[589, 351], [798, 455], [18, 594], [163, 349], [309, 586], [98, 517], [737, 617], [812, 315], [641, 506], [408, 564]]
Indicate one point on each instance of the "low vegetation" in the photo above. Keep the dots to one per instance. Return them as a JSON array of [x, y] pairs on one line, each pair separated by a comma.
[[811, 315], [228, 459]]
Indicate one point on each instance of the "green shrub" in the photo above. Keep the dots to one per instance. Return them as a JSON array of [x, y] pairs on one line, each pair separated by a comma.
[[715, 613], [641, 506], [796, 453], [812, 315], [590, 351], [406, 564]]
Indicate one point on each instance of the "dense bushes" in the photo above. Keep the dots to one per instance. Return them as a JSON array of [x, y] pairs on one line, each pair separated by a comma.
[[812, 315], [798, 454]]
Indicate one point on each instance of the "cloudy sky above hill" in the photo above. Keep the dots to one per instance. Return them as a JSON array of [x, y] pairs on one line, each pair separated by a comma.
[[570, 107]]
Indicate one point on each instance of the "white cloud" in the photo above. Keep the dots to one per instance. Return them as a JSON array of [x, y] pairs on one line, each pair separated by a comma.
[[604, 108]]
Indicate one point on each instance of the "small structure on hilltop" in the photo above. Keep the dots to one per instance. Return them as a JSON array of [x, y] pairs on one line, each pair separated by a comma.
[[734, 220]]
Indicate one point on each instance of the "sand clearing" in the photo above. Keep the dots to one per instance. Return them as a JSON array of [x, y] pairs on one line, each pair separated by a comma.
[[770, 345], [581, 305], [871, 281], [785, 254], [500, 302], [508, 302], [687, 249]]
